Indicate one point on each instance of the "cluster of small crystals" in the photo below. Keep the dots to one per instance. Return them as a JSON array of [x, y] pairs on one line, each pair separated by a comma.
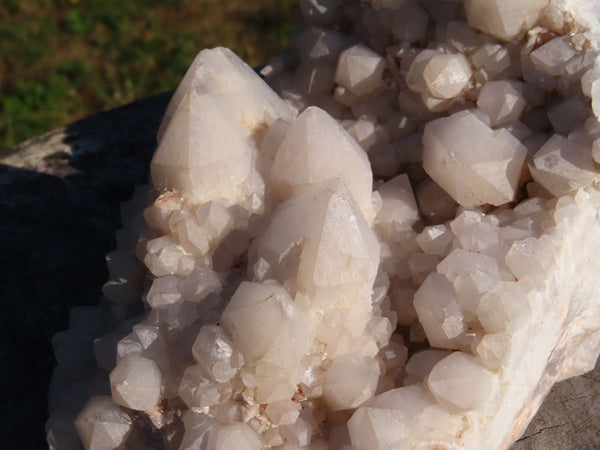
[[381, 252]]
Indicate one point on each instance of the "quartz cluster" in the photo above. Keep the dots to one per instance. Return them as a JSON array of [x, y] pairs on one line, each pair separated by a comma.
[[376, 245]]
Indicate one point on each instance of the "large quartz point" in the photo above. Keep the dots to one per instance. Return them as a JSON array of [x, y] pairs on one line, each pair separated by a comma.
[[562, 166], [316, 148], [205, 148], [359, 70], [103, 425], [319, 243], [234, 85]]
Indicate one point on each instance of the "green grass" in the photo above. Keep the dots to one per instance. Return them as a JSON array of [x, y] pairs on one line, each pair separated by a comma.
[[61, 60]]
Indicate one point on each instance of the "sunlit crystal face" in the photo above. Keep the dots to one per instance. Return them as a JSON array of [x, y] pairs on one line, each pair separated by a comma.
[[381, 248]]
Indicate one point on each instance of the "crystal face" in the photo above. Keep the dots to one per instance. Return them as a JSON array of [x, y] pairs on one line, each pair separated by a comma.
[[377, 246], [472, 162]]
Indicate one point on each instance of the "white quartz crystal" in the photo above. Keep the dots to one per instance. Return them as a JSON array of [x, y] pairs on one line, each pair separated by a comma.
[[350, 381], [447, 75], [501, 101], [561, 166], [213, 100], [460, 383], [504, 19], [389, 243], [359, 69], [136, 383], [439, 75], [473, 163], [553, 55], [320, 244], [315, 148], [102, 424]]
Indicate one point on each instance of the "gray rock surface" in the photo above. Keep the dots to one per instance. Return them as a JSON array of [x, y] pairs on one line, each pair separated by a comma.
[[59, 209]]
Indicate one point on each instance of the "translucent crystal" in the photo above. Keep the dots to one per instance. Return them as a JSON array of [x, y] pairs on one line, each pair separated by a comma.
[[199, 284], [504, 19], [350, 381], [102, 424], [136, 383], [501, 101], [399, 208], [255, 317], [316, 148], [471, 162], [493, 58], [504, 308], [460, 382], [310, 249], [164, 292], [293, 243], [195, 159], [214, 351], [396, 419], [561, 166], [553, 55], [447, 75], [439, 312], [359, 69], [435, 239], [319, 44], [220, 74], [438, 75]]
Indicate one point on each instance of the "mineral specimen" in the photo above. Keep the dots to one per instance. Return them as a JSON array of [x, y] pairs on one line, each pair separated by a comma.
[[382, 251]]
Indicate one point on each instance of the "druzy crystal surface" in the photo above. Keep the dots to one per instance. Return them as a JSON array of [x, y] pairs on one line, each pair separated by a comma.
[[387, 242]]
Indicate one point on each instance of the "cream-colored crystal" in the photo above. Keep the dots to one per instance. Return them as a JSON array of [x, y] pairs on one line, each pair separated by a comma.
[[359, 69], [316, 148], [470, 161], [504, 19]]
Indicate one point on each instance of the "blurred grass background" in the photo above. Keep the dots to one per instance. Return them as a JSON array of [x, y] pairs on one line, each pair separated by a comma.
[[62, 60]]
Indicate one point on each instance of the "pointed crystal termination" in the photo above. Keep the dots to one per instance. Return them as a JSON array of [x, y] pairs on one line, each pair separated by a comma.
[[438, 75], [501, 101], [103, 425], [504, 19], [234, 85], [439, 311], [447, 75], [460, 382], [136, 383], [359, 70], [316, 148], [204, 152], [319, 242], [471, 162], [204, 148], [562, 166], [257, 317]]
